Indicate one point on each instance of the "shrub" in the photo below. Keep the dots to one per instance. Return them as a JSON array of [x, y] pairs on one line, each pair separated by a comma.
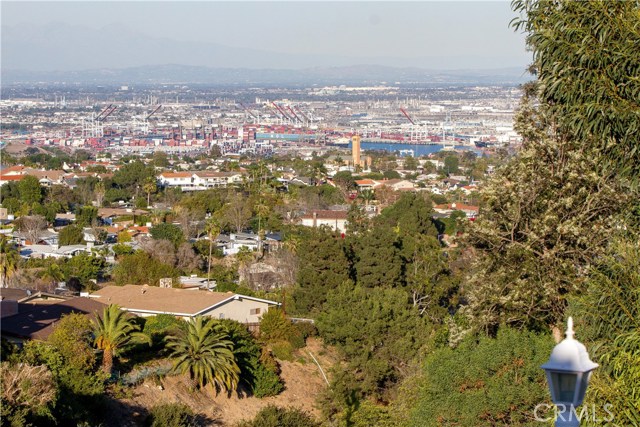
[[275, 328], [30, 387], [306, 329], [273, 416], [124, 236], [71, 235], [171, 415], [258, 369], [162, 324], [296, 339], [267, 359], [120, 249], [266, 382], [140, 268], [484, 379], [283, 350]]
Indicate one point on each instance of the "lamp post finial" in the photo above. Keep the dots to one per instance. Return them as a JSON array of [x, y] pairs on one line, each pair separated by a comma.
[[570, 333]]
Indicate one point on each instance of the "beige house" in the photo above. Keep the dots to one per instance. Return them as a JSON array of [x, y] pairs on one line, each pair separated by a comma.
[[147, 301]]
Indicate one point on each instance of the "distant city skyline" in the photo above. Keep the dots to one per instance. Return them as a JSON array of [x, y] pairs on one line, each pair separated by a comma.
[[437, 35]]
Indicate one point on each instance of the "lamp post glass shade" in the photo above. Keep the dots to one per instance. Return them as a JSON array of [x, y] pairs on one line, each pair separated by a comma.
[[566, 386], [569, 370]]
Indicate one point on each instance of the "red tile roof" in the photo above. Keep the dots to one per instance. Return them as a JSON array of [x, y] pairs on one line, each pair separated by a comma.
[[11, 177]]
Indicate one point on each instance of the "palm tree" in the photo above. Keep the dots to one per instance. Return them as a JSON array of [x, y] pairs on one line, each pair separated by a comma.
[[113, 330], [53, 273], [367, 196], [150, 186], [9, 259], [212, 229], [206, 354]]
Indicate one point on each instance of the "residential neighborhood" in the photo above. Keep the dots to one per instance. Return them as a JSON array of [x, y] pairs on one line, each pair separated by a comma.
[[320, 214]]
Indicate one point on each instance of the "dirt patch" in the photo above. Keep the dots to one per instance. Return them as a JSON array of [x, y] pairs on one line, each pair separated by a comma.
[[302, 378], [19, 149]]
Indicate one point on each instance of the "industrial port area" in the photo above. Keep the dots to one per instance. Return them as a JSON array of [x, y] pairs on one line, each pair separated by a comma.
[[260, 121]]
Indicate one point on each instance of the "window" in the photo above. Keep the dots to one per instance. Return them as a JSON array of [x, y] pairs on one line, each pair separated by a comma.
[[254, 311]]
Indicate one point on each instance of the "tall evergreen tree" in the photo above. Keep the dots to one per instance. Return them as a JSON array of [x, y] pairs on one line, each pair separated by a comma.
[[323, 266], [380, 262]]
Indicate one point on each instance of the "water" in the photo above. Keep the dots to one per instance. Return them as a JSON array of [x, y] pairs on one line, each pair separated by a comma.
[[419, 150]]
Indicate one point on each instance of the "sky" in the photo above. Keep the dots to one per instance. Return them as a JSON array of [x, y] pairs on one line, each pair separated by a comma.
[[362, 30]]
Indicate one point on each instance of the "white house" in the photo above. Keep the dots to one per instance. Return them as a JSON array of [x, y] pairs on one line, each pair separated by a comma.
[[194, 181], [209, 179], [236, 241], [175, 179], [54, 251], [336, 220]]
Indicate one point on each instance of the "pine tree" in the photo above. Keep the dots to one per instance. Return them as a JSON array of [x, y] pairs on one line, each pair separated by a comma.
[[380, 262], [323, 266]]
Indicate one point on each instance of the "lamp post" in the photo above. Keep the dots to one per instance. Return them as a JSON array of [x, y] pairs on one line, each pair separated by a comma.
[[568, 371]]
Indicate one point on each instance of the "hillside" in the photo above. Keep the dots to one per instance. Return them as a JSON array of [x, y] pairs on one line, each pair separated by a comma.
[[302, 378]]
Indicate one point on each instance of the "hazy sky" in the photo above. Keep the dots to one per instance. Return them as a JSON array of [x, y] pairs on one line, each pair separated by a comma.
[[357, 29]]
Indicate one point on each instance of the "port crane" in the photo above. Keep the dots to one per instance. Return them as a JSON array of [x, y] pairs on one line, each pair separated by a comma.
[[304, 116], [294, 114], [257, 120], [284, 115], [418, 133], [141, 123], [407, 116], [106, 113], [94, 127], [103, 112], [153, 112]]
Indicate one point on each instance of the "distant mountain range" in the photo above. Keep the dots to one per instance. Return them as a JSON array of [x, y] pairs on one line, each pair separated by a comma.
[[358, 75], [117, 54]]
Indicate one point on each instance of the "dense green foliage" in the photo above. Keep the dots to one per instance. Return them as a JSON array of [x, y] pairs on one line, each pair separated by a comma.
[[608, 315], [484, 381], [169, 232], [379, 261], [378, 331], [323, 266], [171, 415], [273, 416], [69, 355], [550, 211], [30, 190], [141, 268], [86, 216], [282, 335], [71, 235], [258, 371], [587, 64]]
